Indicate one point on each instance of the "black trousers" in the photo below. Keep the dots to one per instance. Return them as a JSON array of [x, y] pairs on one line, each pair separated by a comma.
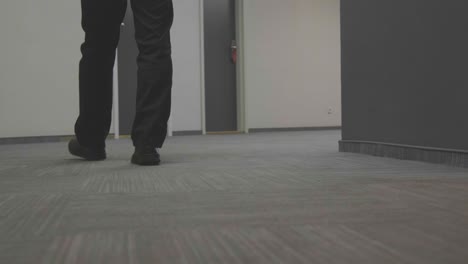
[[101, 21]]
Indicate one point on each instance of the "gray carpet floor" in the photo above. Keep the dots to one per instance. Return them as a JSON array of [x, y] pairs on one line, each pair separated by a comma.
[[263, 198]]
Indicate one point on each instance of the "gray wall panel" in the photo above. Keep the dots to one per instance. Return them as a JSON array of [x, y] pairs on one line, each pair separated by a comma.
[[405, 72]]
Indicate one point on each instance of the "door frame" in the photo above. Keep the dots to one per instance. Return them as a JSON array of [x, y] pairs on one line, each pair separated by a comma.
[[240, 81]]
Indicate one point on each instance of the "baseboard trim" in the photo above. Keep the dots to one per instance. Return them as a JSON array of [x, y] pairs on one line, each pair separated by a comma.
[[292, 129], [32, 140], [64, 138], [451, 157], [39, 139], [187, 133]]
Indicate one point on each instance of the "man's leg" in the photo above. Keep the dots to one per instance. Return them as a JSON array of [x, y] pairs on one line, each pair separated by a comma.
[[153, 20], [101, 20]]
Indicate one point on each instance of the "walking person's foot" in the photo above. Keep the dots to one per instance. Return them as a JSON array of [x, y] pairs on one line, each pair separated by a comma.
[[90, 154], [146, 156]]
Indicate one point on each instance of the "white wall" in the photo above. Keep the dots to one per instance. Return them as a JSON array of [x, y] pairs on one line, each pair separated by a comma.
[[186, 101], [292, 63], [39, 67]]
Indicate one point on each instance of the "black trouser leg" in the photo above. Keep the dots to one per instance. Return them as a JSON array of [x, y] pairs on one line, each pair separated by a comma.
[[101, 21], [153, 20]]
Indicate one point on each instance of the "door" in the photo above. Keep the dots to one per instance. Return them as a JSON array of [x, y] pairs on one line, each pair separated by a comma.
[[127, 54], [220, 67]]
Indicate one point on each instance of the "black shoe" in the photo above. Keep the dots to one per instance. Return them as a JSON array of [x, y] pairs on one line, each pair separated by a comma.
[[89, 154], [146, 157]]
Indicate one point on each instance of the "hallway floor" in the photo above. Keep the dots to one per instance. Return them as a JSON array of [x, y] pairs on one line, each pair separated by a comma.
[[262, 198]]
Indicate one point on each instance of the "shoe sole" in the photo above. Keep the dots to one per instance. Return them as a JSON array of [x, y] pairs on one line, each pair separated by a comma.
[[86, 155], [149, 161]]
